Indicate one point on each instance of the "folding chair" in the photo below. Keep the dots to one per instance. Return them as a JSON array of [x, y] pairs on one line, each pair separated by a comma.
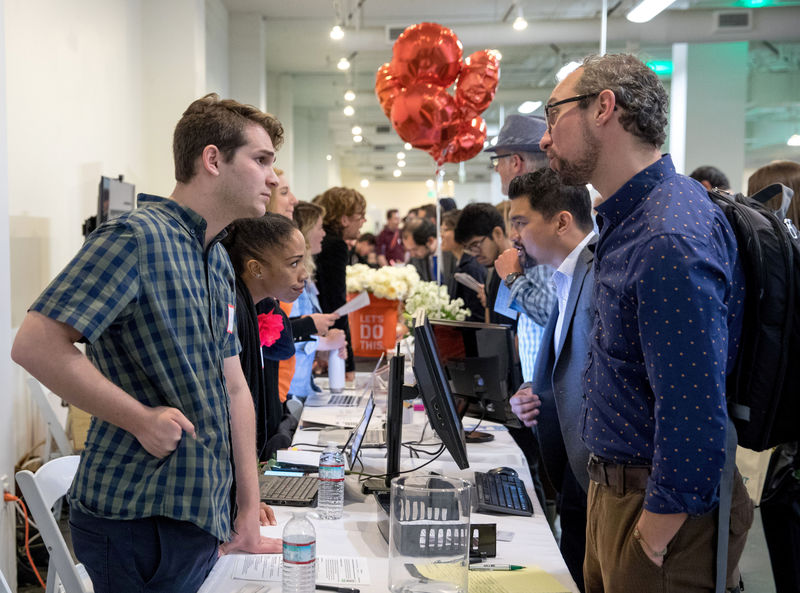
[[4, 588], [55, 432], [40, 491]]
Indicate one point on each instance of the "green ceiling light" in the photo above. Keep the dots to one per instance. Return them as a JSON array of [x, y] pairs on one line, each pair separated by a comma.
[[755, 3], [660, 67]]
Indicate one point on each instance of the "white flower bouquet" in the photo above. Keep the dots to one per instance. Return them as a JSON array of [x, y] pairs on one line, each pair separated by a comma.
[[393, 283], [436, 301]]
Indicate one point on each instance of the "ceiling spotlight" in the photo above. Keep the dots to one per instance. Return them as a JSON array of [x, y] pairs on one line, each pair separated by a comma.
[[520, 24], [407, 146], [794, 140], [348, 110], [397, 173], [328, 157], [429, 183], [356, 130], [529, 107], [365, 183], [647, 9], [401, 156], [337, 32], [401, 164], [357, 138], [343, 64], [349, 95]]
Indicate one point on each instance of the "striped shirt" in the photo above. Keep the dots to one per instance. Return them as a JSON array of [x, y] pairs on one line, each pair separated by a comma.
[[156, 309]]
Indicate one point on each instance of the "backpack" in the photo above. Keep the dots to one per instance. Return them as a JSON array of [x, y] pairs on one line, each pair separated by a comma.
[[763, 389]]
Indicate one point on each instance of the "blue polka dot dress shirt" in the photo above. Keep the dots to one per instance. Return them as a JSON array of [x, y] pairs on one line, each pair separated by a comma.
[[669, 292]]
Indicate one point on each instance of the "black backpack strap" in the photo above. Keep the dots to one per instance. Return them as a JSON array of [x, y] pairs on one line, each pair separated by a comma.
[[724, 510]]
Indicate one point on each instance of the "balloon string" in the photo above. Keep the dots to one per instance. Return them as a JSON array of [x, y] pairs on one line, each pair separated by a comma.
[[439, 171]]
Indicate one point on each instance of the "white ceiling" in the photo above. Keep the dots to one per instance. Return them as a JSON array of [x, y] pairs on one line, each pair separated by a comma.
[[298, 44]]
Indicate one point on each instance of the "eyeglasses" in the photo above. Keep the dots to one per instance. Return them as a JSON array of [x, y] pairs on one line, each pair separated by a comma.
[[495, 158], [551, 115], [475, 246]]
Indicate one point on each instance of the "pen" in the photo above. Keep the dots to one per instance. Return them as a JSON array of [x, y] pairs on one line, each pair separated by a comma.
[[495, 567], [338, 589]]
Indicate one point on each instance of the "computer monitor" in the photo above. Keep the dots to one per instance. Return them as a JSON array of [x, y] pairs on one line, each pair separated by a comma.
[[481, 364], [114, 197], [435, 391]]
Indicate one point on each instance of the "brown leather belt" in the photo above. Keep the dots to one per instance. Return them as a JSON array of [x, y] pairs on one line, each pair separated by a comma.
[[621, 477]]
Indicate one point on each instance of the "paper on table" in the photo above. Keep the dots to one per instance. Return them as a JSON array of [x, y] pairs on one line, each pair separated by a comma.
[[531, 579], [359, 302], [295, 457], [331, 570]]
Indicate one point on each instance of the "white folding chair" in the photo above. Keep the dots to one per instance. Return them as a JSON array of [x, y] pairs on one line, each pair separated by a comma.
[[40, 491], [55, 432], [4, 588]]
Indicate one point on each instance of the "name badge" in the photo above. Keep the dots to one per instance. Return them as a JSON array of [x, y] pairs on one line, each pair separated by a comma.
[[231, 318]]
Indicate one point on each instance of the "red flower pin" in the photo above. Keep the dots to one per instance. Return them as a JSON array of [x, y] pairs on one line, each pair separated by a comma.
[[270, 326]]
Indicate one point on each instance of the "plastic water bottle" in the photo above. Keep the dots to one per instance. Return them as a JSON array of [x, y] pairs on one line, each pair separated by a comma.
[[299, 555], [330, 496], [335, 372]]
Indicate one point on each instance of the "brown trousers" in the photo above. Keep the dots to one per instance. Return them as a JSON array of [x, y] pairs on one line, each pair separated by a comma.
[[616, 563]]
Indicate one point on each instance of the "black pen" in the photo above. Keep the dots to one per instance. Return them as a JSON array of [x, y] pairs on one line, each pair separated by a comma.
[[339, 589]]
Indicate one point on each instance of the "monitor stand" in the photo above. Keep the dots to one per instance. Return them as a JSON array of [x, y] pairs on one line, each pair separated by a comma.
[[476, 436]]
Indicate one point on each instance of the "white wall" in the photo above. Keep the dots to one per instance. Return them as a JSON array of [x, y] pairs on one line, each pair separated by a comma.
[[7, 432], [217, 78]]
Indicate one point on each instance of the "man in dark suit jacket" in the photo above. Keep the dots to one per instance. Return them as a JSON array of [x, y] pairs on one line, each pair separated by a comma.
[[553, 223]]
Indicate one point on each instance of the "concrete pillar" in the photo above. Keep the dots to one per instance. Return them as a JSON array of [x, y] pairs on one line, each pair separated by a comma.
[[247, 60], [709, 94], [174, 74]]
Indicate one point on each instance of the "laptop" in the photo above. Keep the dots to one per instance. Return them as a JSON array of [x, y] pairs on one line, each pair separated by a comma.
[[347, 398], [360, 436]]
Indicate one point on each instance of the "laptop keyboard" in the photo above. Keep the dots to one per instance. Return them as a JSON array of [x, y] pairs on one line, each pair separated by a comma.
[[344, 400], [289, 490]]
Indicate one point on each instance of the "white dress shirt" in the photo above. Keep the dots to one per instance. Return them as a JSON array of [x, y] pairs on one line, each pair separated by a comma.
[[562, 278]]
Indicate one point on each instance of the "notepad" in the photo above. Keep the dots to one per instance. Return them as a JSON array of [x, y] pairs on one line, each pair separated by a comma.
[[531, 579]]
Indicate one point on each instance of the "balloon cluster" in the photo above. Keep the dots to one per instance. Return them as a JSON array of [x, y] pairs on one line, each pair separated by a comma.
[[412, 90]]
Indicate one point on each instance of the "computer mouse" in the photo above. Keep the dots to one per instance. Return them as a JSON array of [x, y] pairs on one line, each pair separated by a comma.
[[506, 471]]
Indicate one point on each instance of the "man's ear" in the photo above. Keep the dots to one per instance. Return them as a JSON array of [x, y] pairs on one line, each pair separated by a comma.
[[498, 234], [210, 159], [564, 221], [254, 268], [605, 107]]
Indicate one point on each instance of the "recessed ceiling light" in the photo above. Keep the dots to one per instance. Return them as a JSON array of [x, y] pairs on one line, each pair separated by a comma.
[[429, 183], [401, 164], [349, 111], [337, 32], [356, 130], [357, 138], [401, 156], [328, 157], [529, 107], [365, 183], [397, 173], [343, 64], [407, 146], [349, 95]]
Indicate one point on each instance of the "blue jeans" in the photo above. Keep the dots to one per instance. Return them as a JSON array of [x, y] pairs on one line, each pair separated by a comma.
[[155, 554]]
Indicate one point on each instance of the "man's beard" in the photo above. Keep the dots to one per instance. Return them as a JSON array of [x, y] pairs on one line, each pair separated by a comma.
[[579, 171]]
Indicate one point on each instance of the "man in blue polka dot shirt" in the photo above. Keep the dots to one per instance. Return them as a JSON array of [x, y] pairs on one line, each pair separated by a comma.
[[669, 292]]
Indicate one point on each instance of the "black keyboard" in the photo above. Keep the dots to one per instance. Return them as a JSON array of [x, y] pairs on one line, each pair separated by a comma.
[[296, 491], [502, 493]]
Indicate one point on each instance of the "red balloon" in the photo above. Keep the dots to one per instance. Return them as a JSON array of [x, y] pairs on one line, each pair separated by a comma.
[[424, 115], [427, 52], [387, 87], [468, 141], [477, 83]]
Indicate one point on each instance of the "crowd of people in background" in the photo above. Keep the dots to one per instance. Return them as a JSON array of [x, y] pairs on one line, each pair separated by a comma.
[[230, 289]]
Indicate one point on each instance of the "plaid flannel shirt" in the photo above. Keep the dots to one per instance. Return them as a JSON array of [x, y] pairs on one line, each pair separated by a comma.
[[534, 295], [156, 309]]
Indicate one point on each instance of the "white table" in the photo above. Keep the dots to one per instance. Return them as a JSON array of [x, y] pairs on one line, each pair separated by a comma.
[[356, 534]]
